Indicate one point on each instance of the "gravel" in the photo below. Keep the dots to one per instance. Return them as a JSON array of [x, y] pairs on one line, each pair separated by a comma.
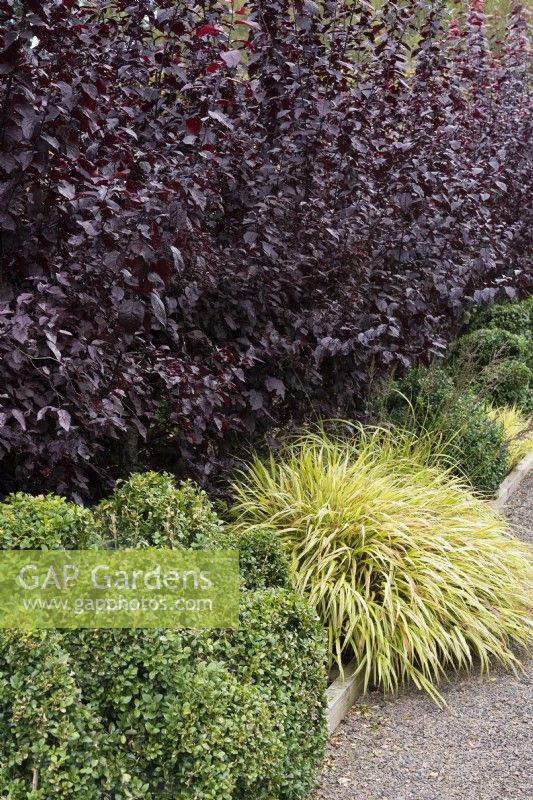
[[479, 747]]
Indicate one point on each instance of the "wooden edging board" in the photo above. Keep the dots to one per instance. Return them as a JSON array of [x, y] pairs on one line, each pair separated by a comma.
[[343, 692], [511, 483]]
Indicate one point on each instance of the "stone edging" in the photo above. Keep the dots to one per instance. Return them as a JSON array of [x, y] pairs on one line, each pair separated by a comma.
[[343, 692]]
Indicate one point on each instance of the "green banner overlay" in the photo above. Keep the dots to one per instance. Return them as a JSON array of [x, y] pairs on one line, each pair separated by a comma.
[[119, 589]]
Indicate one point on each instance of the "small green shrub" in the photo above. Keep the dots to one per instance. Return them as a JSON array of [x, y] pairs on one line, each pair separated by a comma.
[[43, 522], [213, 715], [49, 739], [149, 510], [407, 570], [456, 427], [176, 726], [263, 562], [230, 747], [144, 720], [528, 304], [505, 383], [513, 317], [280, 648], [482, 347], [422, 395], [474, 445]]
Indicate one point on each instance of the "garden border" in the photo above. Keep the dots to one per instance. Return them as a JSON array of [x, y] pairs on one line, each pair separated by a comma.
[[344, 691]]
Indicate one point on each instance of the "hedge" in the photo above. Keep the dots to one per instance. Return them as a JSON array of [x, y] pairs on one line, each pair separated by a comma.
[[246, 236], [508, 382], [485, 346], [500, 341], [513, 317], [44, 522], [489, 367], [147, 511], [213, 715]]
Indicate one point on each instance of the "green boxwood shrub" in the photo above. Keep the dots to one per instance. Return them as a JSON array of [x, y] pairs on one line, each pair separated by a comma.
[[457, 426], [218, 715], [422, 395], [149, 510], [263, 562], [49, 738], [482, 347], [509, 328], [278, 647], [128, 714], [505, 383], [475, 443], [224, 715], [176, 726], [43, 522], [528, 304], [513, 317]]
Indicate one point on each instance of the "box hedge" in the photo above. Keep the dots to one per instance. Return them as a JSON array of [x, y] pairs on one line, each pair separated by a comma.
[[164, 714], [506, 383], [421, 394], [513, 317], [147, 510], [486, 346], [476, 443], [50, 737], [262, 559], [150, 510], [277, 648], [43, 522], [500, 348]]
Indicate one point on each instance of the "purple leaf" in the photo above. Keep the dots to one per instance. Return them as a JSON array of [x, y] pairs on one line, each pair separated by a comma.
[[276, 386], [158, 308], [19, 416], [222, 118], [231, 57], [64, 419], [256, 400]]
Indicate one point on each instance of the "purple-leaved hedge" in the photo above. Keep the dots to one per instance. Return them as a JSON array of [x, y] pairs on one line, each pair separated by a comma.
[[215, 217]]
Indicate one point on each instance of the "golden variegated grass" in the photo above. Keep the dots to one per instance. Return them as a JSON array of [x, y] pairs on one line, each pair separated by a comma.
[[518, 429], [408, 570]]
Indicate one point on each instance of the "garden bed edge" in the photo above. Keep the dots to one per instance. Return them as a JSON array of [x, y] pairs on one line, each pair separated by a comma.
[[513, 480]]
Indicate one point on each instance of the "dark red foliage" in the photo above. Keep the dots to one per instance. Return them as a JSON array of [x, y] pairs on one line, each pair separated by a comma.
[[211, 220]]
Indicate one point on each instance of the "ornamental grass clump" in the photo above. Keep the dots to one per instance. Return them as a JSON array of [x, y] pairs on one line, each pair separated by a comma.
[[518, 428], [409, 571]]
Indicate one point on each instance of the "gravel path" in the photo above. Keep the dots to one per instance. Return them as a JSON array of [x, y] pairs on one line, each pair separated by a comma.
[[480, 747]]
